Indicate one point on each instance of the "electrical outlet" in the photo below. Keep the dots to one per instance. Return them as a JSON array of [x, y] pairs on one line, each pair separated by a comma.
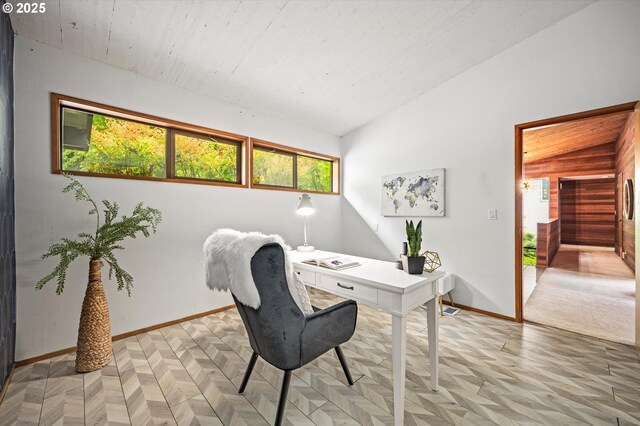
[[493, 214]]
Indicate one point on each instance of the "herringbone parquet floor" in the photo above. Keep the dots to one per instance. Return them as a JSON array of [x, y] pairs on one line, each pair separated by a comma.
[[492, 372]]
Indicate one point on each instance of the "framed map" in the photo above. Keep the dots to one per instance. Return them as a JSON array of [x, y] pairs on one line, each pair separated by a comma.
[[413, 194]]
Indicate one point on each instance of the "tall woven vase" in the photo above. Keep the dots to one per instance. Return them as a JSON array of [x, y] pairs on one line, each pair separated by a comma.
[[94, 334]]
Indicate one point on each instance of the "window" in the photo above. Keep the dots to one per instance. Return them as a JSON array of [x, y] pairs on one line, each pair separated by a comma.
[[544, 189], [207, 157], [94, 139], [279, 167], [314, 174], [95, 143], [272, 167]]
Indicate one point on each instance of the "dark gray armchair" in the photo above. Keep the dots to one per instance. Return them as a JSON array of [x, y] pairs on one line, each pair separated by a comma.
[[278, 330]]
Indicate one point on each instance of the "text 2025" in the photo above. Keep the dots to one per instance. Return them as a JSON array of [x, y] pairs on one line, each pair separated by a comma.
[[31, 7]]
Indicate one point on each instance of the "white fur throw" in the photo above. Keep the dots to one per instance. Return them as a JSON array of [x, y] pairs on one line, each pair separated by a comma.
[[228, 254]]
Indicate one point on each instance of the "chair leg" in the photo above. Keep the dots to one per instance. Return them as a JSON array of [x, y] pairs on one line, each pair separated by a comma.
[[283, 397], [344, 365], [247, 374]]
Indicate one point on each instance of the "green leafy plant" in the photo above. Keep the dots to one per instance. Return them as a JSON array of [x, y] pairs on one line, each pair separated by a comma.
[[103, 244], [414, 238], [529, 244]]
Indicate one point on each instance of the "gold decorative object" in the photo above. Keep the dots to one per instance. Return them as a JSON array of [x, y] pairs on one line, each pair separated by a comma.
[[432, 261]]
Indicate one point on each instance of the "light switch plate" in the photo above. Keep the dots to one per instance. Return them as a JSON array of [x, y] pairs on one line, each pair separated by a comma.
[[493, 214]]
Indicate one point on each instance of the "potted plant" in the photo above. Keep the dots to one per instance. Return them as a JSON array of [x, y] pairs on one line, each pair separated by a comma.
[[413, 263], [94, 333]]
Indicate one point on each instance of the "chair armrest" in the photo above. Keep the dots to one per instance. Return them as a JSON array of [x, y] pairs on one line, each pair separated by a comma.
[[327, 328]]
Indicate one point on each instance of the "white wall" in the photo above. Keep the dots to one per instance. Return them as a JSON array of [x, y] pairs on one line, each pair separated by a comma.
[[589, 60], [167, 268]]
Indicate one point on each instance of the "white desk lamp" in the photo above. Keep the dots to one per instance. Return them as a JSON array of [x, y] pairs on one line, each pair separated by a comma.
[[305, 208]]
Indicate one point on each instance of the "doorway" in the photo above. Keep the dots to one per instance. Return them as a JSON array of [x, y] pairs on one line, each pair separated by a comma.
[[575, 167]]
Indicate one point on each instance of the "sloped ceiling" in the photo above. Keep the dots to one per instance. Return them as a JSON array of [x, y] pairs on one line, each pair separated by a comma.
[[546, 142], [329, 65]]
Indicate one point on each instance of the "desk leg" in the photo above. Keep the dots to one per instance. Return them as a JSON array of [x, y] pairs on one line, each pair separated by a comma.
[[432, 329], [399, 355]]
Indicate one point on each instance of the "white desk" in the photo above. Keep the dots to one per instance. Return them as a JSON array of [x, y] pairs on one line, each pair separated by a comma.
[[379, 284]]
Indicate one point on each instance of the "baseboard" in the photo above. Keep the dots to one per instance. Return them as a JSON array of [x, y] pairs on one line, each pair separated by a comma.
[[168, 323], [45, 356], [480, 311], [5, 385], [121, 336]]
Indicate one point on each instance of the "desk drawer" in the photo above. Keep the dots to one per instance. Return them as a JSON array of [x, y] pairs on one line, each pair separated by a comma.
[[307, 277], [349, 289]]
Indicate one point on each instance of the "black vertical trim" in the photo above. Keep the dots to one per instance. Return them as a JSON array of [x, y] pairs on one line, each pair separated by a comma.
[[7, 206]]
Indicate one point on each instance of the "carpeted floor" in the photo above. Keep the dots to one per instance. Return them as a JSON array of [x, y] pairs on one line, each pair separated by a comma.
[[589, 290]]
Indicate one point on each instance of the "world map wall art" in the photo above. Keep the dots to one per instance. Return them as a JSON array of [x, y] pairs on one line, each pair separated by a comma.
[[413, 194]]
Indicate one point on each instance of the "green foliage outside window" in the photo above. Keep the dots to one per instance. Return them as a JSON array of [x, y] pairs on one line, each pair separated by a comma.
[[529, 244], [272, 168], [314, 174], [277, 168], [102, 144], [120, 147], [206, 159]]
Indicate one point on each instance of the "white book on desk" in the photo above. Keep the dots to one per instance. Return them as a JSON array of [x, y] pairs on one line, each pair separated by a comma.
[[337, 262]]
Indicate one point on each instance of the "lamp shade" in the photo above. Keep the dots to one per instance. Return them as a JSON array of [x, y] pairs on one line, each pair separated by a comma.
[[305, 208]]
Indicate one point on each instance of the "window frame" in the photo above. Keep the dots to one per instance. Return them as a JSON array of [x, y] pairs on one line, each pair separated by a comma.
[[59, 101], [295, 152], [171, 133], [294, 165]]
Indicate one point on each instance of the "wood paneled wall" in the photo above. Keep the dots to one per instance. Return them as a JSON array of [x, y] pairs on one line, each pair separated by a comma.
[[625, 166], [587, 212], [548, 242], [598, 160]]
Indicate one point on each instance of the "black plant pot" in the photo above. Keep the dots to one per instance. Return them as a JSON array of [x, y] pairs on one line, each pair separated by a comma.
[[413, 265]]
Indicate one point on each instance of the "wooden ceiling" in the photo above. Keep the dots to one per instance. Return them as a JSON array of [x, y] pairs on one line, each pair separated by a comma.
[[545, 142], [329, 65]]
